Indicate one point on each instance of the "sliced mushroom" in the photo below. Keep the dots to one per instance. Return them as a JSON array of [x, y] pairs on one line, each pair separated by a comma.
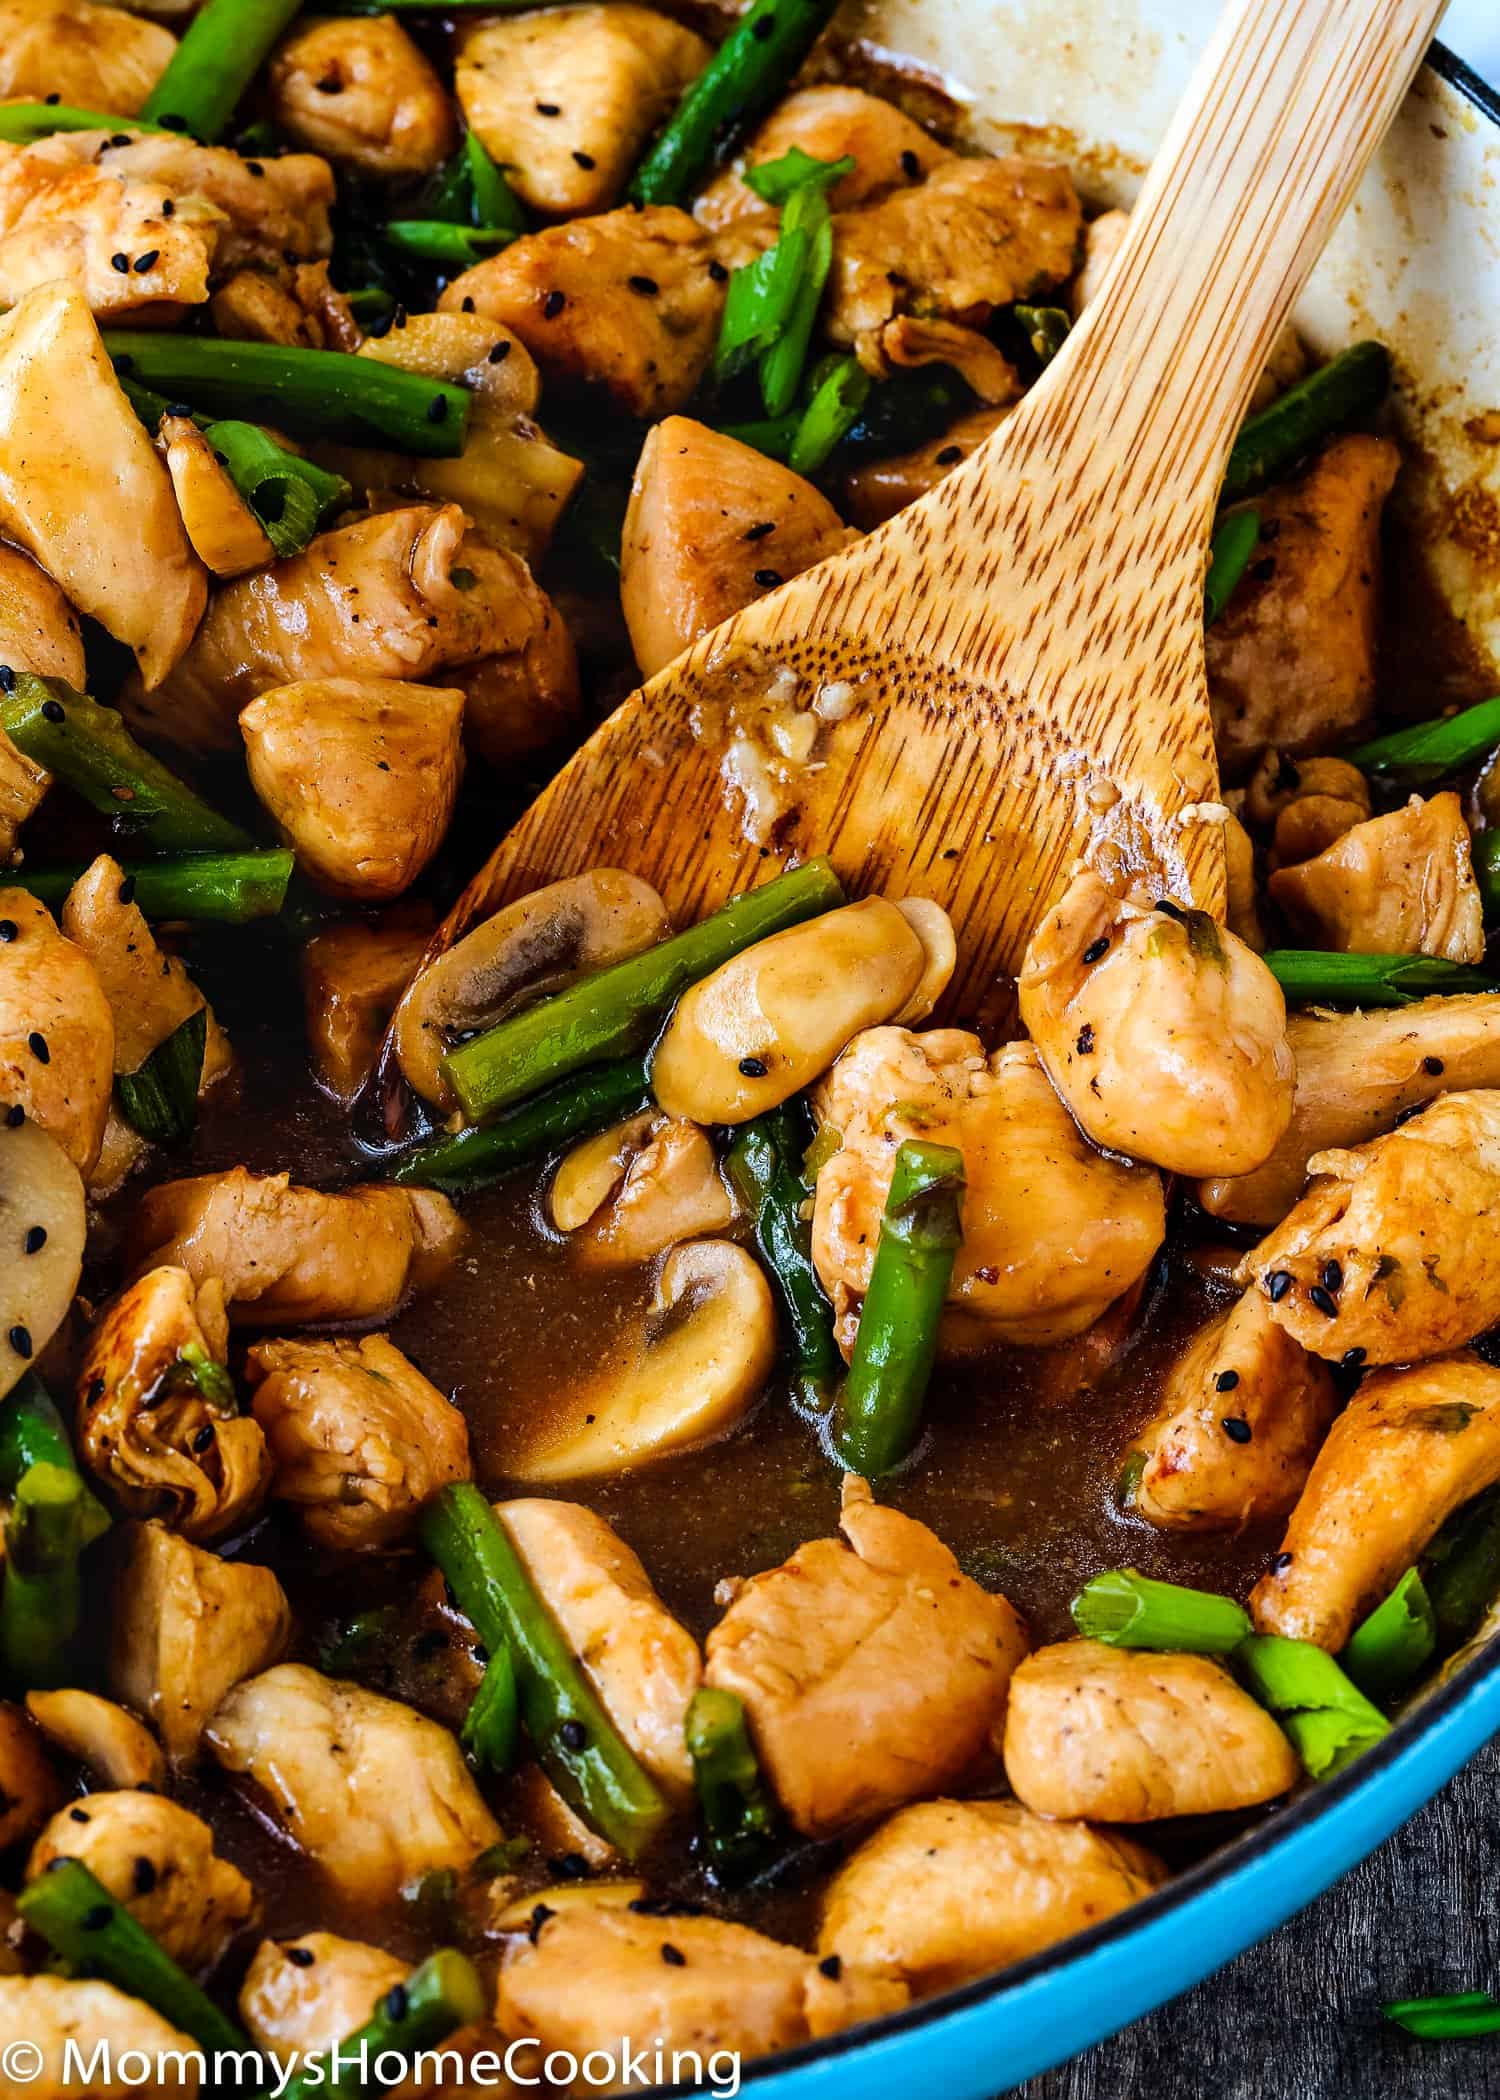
[[117, 1748], [704, 1351], [589, 1175], [772, 1019], [225, 533], [527, 950], [42, 1228]]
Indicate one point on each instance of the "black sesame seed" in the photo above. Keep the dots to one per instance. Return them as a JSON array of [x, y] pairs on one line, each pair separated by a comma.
[[673, 1956], [752, 1068], [574, 1735], [20, 1340], [301, 1957], [466, 305], [1278, 1283], [7, 679], [831, 1967], [762, 27], [1323, 1300], [481, 1655], [79, 1815], [96, 1391], [1333, 1276], [1226, 1381], [1085, 1044], [330, 84], [950, 455], [15, 1116], [1096, 949], [52, 100], [539, 1918], [54, 711], [120, 261], [120, 138], [437, 409], [204, 1437], [1236, 1428], [549, 109], [553, 305], [8, 929], [498, 354], [127, 890], [768, 579], [143, 1876], [910, 165], [584, 160], [397, 2002], [717, 271], [36, 1239], [646, 286], [148, 261], [255, 167], [1409, 1115], [1280, 1563], [168, 208], [1433, 1065], [178, 408], [758, 532], [571, 1867], [1352, 1358], [37, 1044]]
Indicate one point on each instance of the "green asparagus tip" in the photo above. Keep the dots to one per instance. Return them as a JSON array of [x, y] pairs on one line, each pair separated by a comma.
[[1326, 977], [1130, 1610], [1431, 750]]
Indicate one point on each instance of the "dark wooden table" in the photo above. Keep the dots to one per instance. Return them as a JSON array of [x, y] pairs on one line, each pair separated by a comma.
[[1297, 2018]]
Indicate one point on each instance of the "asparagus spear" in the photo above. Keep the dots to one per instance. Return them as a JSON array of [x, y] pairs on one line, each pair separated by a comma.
[[90, 748], [1229, 551], [1349, 387], [493, 1721], [749, 71], [1132, 1611], [1329, 1720], [92, 1934], [314, 393], [446, 246], [764, 1163], [437, 1998], [738, 1815], [41, 1595], [220, 54], [23, 123], [230, 887], [471, 1159], [1325, 977], [1431, 750], [614, 1011], [920, 1235], [572, 1735], [32, 1433], [1389, 1647]]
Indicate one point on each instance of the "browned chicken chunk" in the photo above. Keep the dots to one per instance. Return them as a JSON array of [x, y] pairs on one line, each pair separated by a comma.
[[1408, 1450], [51, 996], [871, 1672], [1305, 804], [570, 294], [290, 1255], [1054, 1232], [67, 2021], [948, 1891], [188, 1627], [158, 1421], [29, 1787], [712, 526], [1401, 884], [639, 1188], [1162, 1031], [642, 1663], [296, 306], [94, 57], [371, 1791], [300, 1997], [363, 94], [877, 490], [687, 1982], [1357, 1075], [399, 595], [1242, 1414], [1291, 662], [352, 977], [111, 1744], [38, 628], [123, 556], [1125, 1736], [361, 775], [565, 98], [23, 783], [226, 535], [829, 122], [1394, 1251], [159, 1862], [269, 214], [359, 1438]]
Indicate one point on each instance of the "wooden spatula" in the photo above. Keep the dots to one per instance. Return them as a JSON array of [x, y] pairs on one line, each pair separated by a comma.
[[1010, 673]]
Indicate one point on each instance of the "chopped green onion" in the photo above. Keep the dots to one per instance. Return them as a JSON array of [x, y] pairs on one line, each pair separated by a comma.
[[760, 302], [773, 435], [1047, 329], [1129, 1610], [836, 405], [1432, 750], [1348, 388], [1229, 551], [219, 55], [1329, 1720], [782, 362], [738, 1815], [159, 1100], [288, 496], [773, 302], [778, 181], [211, 1378], [232, 888], [23, 123], [1327, 977], [449, 247], [1388, 1649], [465, 1160]]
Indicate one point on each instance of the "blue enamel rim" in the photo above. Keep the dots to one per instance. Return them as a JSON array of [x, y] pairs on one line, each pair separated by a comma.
[[993, 2034]]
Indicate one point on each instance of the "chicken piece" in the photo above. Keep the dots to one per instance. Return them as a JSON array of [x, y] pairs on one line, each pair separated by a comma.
[[122, 557], [1162, 1031], [1401, 884], [642, 1663], [1125, 1736], [57, 1037], [352, 977], [288, 1255], [363, 94], [871, 1673], [1291, 661], [687, 1982], [361, 775], [374, 1793], [1394, 1251], [1305, 804], [108, 1742], [269, 214], [1241, 902], [398, 595], [67, 2021], [300, 1997], [975, 235], [226, 535], [1241, 1416], [188, 1627], [1357, 1075], [39, 630], [150, 993], [566, 98], [712, 526], [668, 1188], [1411, 1447], [30, 1789], [297, 307], [876, 490], [360, 1439], [829, 122], [23, 783], [1054, 1232], [577, 297], [158, 1421], [948, 1891], [909, 342], [64, 214], [157, 1861], [76, 52]]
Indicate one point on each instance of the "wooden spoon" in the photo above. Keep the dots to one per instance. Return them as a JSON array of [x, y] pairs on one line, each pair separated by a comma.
[[1020, 652]]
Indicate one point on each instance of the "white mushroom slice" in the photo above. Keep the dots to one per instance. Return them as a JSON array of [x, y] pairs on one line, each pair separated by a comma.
[[42, 1228], [114, 1745], [527, 950], [519, 1915], [934, 929], [702, 1356], [589, 1175], [774, 1017]]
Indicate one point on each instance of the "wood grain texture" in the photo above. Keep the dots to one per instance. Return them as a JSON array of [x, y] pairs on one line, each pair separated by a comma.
[[1297, 2018]]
